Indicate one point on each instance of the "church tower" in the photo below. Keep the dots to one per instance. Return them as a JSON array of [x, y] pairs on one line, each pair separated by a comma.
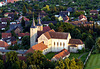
[[39, 25], [33, 34]]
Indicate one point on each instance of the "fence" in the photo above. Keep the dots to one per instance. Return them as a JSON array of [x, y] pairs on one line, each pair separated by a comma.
[[88, 55]]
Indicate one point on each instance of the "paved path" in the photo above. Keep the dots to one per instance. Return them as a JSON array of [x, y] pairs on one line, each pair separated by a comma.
[[81, 55]]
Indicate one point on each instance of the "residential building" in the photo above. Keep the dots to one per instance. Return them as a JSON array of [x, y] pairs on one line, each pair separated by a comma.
[[62, 55], [82, 17], [94, 12], [3, 45]]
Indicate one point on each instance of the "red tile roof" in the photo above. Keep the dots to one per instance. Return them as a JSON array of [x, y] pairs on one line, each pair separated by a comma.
[[94, 11], [11, 1], [82, 16], [62, 54], [47, 28], [6, 35], [23, 34], [40, 46], [66, 19], [3, 44], [11, 13], [75, 41], [20, 18]]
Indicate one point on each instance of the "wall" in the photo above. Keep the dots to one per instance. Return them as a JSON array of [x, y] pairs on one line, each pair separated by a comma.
[[33, 36]]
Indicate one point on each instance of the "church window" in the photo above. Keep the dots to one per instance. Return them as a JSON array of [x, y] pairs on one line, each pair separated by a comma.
[[54, 43], [60, 43], [57, 43], [63, 44]]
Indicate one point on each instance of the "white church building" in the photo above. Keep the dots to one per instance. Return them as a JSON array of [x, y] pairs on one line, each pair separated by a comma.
[[51, 41]]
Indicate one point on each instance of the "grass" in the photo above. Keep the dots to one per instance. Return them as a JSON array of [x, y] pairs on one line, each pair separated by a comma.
[[93, 62], [50, 55], [76, 55]]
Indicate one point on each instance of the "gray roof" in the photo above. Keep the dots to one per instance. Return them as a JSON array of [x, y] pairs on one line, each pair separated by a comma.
[[18, 51]]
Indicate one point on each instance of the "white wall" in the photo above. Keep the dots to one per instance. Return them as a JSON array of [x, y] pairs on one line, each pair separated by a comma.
[[60, 46], [2, 47]]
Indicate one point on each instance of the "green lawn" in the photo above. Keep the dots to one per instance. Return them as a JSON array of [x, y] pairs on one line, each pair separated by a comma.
[[93, 62], [50, 55], [76, 55]]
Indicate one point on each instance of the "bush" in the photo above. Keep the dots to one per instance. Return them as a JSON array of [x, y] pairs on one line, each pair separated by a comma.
[[81, 51]]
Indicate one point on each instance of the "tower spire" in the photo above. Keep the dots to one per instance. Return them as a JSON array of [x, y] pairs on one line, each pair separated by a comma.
[[33, 22], [39, 20]]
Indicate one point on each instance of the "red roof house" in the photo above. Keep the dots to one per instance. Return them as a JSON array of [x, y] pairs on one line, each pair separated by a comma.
[[6, 35], [64, 53], [82, 17], [46, 28]]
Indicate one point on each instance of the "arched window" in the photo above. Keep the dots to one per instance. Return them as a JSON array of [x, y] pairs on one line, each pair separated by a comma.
[[60, 43], [63, 44], [54, 43], [57, 43]]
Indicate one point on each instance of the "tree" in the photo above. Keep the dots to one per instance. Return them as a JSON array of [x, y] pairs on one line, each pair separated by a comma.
[[75, 33], [15, 16], [89, 42], [84, 36], [1, 64], [23, 22], [24, 65], [91, 19], [32, 67], [26, 42], [11, 58], [98, 42], [37, 58], [24, 10], [51, 26], [60, 65]]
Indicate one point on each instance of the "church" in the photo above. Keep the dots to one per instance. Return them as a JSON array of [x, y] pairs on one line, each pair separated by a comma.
[[52, 41]]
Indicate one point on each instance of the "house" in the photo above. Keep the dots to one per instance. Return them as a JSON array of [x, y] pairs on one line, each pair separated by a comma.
[[40, 46], [83, 22], [5, 20], [75, 44], [63, 18], [11, 1], [3, 45], [20, 18], [64, 13], [70, 9], [2, 3], [20, 35], [13, 27], [62, 55], [12, 22], [10, 41], [66, 19], [2, 26], [10, 13], [17, 30], [6, 35], [82, 17], [60, 18], [94, 12], [47, 22], [55, 41]]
